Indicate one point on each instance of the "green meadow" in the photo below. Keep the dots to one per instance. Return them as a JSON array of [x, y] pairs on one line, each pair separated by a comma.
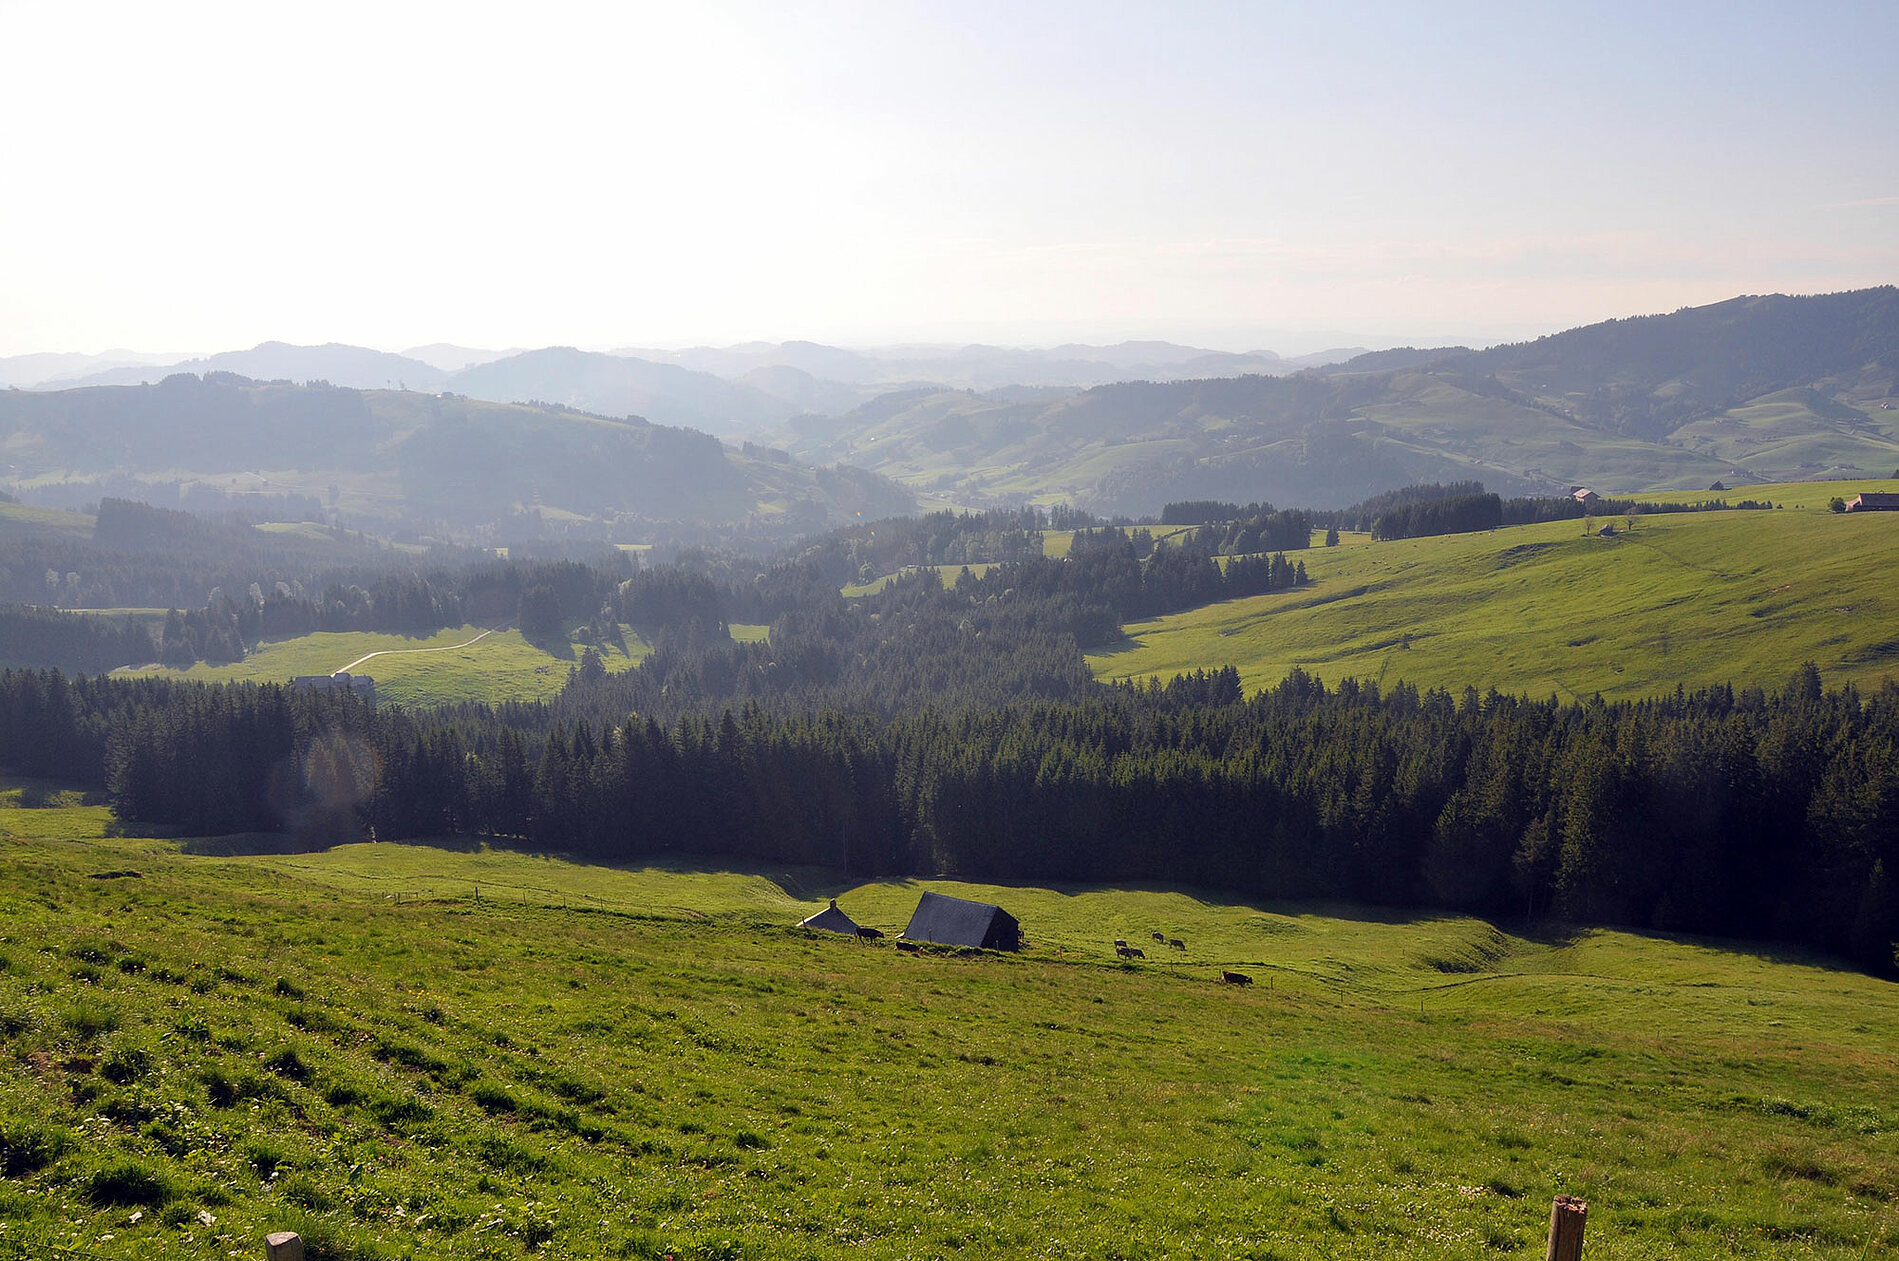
[[449, 665], [1693, 599], [451, 1052]]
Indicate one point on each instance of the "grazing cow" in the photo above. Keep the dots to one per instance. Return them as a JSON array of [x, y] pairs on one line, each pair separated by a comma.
[[1236, 978], [869, 934], [1130, 952], [1160, 936], [1175, 942], [906, 945], [1120, 943]]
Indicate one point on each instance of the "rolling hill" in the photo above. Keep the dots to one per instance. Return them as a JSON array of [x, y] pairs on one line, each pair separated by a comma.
[[456, 1052], [1695, 599], [1755, 389], [338, 364], [397, 456]]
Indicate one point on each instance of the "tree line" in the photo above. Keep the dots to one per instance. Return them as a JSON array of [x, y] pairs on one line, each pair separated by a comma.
[[1765, 815]]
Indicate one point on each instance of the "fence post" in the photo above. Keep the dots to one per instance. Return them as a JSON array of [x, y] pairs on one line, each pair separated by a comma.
[[1567, 1215], [283, 1245]]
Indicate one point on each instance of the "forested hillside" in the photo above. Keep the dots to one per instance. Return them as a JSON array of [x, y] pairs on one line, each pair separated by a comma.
[[1754, 389], [442, 465], [1750, 814], [945, 722]]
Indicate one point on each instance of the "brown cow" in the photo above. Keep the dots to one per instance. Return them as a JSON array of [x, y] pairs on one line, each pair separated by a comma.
[[1160, 937], [869, 934], [1236, 978], [1130, 952], [1176, 943], [906, 945]]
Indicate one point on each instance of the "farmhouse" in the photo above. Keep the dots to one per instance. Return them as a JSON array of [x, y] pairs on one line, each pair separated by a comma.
[[341, 681], [951, 921], [831, 920], [1874, 501], [1589, 499]]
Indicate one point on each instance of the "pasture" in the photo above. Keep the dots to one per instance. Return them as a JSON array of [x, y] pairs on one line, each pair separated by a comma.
[[503, 665], [459, 1052], [1694, 599]]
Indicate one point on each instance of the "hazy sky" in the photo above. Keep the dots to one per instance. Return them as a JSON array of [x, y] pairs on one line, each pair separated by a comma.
[[201, 177]]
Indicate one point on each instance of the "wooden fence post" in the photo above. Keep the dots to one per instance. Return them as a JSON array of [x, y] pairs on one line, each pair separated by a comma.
[[1567, 1215], [283, 1245]]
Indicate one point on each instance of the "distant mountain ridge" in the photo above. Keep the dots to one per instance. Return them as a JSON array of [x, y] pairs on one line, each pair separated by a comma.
[[1763, 388], [339, 364], [414, 460], [732, 391], [1755, 388]]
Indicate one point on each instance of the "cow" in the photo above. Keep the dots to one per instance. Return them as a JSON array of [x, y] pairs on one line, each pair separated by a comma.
[[1236, 978], [1120, 943], [1176, 943], [869, 934], [1130, 952], [906, 945], [1160, 937]]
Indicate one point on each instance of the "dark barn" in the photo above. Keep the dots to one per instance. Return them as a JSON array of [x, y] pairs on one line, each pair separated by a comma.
[[951, 921], [831, 920]]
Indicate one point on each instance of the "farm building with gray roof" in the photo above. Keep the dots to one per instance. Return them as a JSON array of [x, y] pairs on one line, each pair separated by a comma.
[[951, 921], [831, 920]]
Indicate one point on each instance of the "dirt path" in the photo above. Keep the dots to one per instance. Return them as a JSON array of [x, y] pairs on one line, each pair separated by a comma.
[[391, 652]]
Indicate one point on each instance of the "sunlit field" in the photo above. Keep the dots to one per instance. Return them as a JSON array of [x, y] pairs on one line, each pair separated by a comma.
[[462, 1052]]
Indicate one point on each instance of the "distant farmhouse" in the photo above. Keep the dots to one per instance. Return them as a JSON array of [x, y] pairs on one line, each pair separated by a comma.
[[1589, 499], [341, 681], [1874, 501], [951, 921], [831, 920]]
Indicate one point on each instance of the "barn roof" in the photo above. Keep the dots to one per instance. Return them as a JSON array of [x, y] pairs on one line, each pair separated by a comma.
[[958, 922], [831, 920]]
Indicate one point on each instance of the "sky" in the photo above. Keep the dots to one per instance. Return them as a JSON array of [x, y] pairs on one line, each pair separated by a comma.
[[200, 177]]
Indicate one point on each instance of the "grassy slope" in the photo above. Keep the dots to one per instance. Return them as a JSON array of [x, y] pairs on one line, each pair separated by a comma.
[[1695, 599], [1496, 436], [642, 1062], [23, 519], [1783, 430], [503, 666]]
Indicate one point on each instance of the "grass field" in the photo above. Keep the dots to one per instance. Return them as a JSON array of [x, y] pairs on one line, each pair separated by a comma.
[[503, 665], [1693, 599], [948, 574], [415, 1052], [23, 519]]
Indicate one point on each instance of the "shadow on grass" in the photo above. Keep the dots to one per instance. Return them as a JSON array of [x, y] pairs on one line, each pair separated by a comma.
[[816, 885], [265, 844], [254, 844], [1118, 646], [553, 643]]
